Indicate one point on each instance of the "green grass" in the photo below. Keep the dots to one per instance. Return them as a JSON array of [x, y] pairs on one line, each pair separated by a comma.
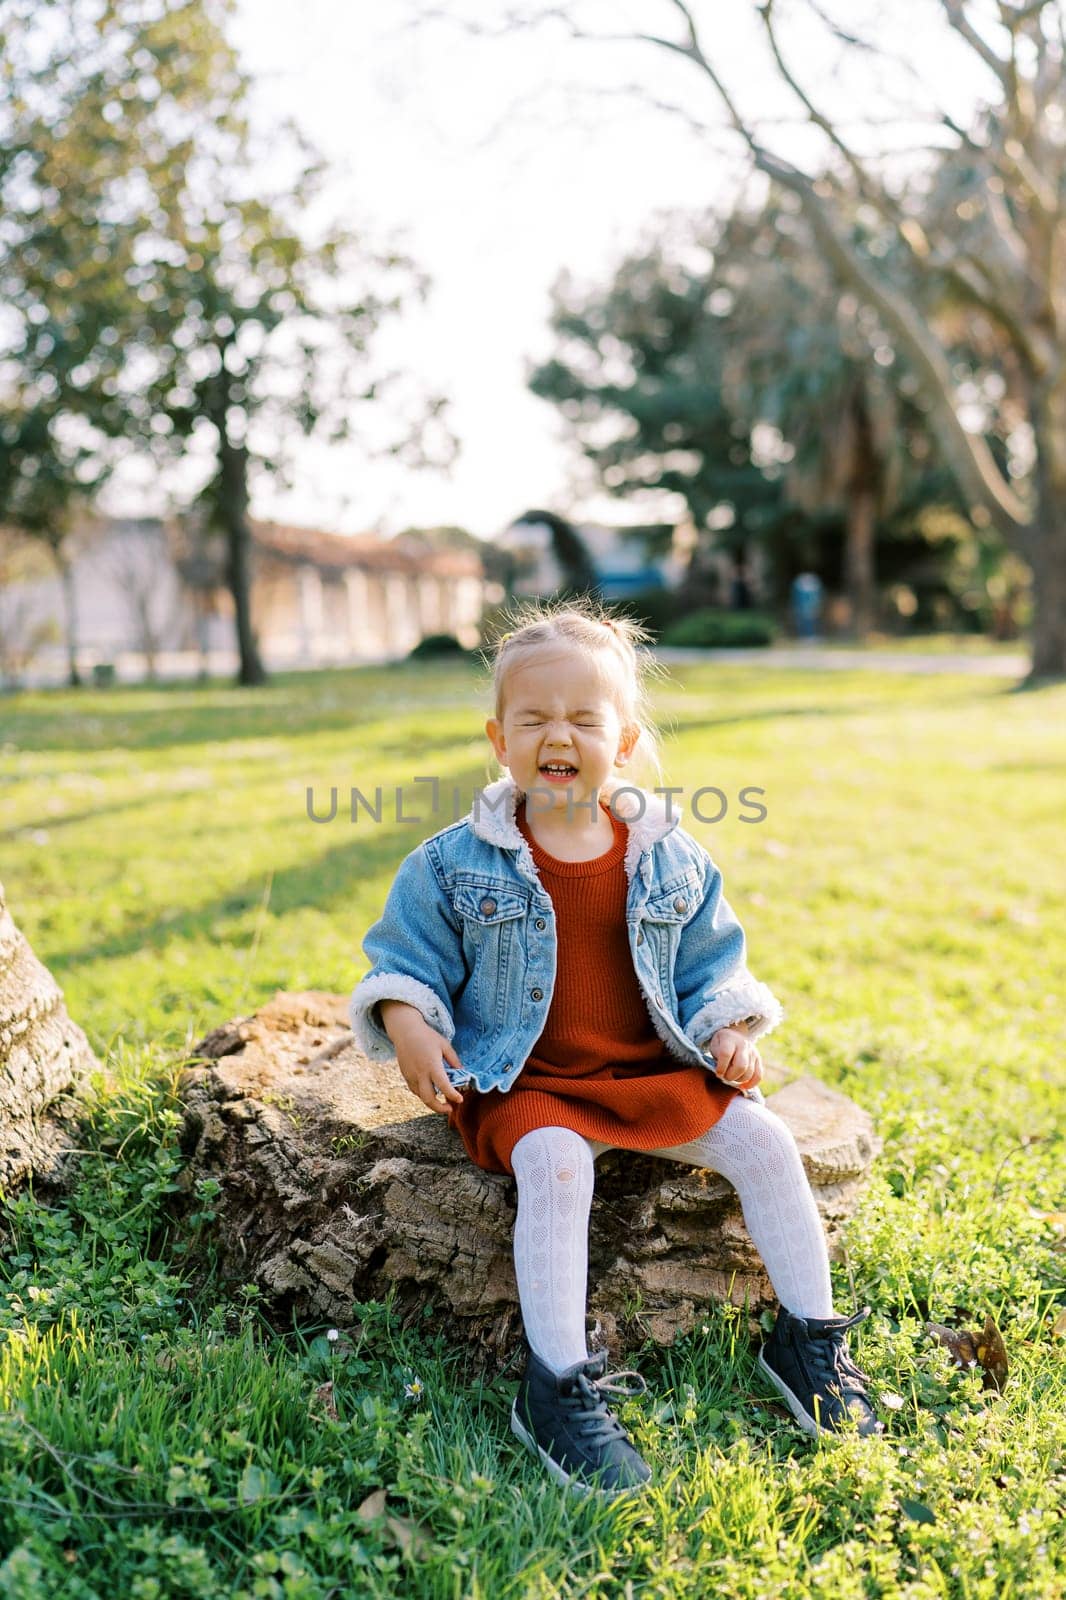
[[903, 897]]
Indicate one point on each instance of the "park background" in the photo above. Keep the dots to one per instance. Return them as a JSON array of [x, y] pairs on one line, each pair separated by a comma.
[[672, 318]]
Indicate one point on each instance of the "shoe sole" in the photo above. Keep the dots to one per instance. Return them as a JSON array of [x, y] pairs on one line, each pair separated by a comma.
[[795, 1404], [565, 1479]]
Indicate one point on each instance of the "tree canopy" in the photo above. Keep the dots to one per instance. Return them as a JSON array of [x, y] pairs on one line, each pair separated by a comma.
[[173, 280], [999, 246]]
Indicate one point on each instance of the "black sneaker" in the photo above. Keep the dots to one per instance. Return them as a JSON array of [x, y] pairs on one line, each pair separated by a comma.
[[807, 1359], [563, 1419]]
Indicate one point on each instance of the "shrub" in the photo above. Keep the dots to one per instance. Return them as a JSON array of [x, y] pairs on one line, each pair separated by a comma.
[[711, 629], [657, 609], [436, 644]]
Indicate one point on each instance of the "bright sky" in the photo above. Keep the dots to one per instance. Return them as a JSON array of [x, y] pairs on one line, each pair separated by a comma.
[[497, 162]]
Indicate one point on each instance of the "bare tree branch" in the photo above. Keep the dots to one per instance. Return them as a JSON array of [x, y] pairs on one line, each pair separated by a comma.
[[1004, 230], [1040, 190], [970, 277], [956, 15], [968, 453], [1018, 16], [689, 21], [970, 456], [866, 187], [639, 92]]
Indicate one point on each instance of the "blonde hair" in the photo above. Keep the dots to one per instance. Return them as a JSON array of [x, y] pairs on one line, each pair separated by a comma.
[[591, 626]]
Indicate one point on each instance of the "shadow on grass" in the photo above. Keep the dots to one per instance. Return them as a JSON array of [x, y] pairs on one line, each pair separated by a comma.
[[321, 882], [1033, 684], [183, 713], [848, 708], [1027, 766], [95, 814]]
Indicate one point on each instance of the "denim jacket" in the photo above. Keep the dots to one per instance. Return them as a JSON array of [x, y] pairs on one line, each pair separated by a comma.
[[467, 936]]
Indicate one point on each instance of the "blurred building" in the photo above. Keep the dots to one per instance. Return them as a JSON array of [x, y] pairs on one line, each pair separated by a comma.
[[324, 597], [148, 598]]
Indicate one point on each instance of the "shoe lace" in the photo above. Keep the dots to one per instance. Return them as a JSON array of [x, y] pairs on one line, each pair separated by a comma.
[[588, 1395], [828, 1352]]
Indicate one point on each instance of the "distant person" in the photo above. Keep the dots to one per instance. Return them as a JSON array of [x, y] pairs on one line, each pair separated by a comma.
[[505, 965], [806, 604]]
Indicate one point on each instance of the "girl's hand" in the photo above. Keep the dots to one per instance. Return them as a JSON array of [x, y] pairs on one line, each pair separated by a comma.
[[737, 1062], [420, 1054]]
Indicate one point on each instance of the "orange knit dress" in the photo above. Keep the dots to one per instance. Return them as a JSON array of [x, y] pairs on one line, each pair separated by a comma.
[[598, 1066]]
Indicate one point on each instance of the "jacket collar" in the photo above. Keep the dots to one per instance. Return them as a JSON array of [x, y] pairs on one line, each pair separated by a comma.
[[492, 817]]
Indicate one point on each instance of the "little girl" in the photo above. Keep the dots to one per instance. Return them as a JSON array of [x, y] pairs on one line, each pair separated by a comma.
[[564, 956]]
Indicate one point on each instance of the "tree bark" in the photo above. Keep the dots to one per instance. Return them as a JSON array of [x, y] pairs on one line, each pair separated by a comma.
[[1045, 548], [232, 511], [70, 618], [338, 1185], [44, 1062], [1048, 563], [860, 517], [233, 471]]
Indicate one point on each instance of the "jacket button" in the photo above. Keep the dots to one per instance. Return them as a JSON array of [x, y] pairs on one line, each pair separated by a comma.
[[488, 905], [680, 904], [536, 994], [540, 923]]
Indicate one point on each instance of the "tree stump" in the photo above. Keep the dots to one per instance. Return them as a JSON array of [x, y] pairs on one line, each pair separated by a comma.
[[337, 1185], [44, 1061]]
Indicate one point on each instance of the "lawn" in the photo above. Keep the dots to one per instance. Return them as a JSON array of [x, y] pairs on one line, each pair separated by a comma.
[[903, 898]]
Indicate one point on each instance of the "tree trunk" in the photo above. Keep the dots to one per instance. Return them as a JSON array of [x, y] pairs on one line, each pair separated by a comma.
[[1049, 596], [336, 1184], [860, 519], [44, 1060], [702, 585], [859, 562], [70, 617], [234, 471], [1046, 552], [233, 514], [149, 643]]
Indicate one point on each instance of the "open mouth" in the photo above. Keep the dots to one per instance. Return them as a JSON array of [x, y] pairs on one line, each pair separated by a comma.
[[557, 771]]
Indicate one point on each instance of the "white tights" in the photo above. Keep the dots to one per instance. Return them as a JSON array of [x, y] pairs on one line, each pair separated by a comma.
[[555, 1171]]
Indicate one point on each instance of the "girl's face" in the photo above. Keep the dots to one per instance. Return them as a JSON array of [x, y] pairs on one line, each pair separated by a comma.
[[561, 711]]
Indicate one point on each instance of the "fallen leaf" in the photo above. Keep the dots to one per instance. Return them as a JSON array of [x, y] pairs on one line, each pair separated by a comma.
[[1055, 1220], [373, 1506], [985, 1350], [410, 1536], [960, 1343], [1058, 1327], [324, 1394], [992, 1355]]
